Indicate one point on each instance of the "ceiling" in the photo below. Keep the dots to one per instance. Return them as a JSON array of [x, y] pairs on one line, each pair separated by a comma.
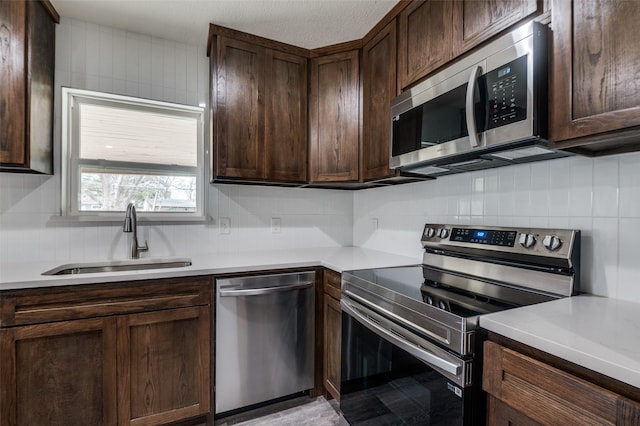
[[304, 23]]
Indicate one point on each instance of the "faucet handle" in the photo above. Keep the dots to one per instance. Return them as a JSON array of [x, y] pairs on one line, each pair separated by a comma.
[[144, 247]]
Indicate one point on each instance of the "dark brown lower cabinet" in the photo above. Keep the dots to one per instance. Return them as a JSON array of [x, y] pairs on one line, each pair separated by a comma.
[[59, 374], [163, 365], [525, 391], [332, 333], [106, 354]]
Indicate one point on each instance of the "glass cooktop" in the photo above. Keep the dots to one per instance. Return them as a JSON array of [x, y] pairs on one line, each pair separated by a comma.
[[462, 295]]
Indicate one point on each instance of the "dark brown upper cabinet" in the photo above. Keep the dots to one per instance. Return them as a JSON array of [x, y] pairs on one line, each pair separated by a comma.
[[478, 21], [27, 61], [286, 117], [378, 89], [334, 117], [259, 105], [595, 96], [425, 39], [434, 32]]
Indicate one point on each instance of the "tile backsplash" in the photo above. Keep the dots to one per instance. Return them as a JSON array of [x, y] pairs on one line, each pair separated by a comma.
[[599, 196]]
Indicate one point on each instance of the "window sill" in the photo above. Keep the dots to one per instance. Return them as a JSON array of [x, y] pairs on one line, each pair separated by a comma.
[[118, 219]]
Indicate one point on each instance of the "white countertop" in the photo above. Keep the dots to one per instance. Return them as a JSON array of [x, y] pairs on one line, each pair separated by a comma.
[[598, 333], [29, 274]]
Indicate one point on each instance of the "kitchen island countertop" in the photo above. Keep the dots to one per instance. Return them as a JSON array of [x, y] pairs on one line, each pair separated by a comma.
[[19, 275], [598, 333]]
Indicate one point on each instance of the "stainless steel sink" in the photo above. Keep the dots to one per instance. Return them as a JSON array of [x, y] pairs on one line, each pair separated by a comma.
[[118, 265]]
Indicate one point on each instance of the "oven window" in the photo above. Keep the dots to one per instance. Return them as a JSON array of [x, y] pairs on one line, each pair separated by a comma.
[[384, 385]]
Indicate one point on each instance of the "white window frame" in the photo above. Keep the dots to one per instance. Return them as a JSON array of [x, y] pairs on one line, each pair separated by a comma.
[[71, 163]]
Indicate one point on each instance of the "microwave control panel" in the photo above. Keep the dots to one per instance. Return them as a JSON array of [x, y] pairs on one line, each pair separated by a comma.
[[507, 92]]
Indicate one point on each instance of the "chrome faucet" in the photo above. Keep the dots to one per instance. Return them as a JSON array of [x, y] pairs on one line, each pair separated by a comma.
[[131, 225]]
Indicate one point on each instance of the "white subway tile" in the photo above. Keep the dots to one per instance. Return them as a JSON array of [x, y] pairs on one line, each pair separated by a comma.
[[604, 272], [581, 187], [506, 191], [540, 189], [559, 187], [628, 271], [522, 190], [630, 185], [605, 187]]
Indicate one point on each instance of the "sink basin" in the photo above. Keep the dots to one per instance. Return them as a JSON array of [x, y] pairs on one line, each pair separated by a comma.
[[118, 265]]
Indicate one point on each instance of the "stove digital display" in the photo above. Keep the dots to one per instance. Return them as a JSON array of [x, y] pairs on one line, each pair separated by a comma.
[[483, 236]]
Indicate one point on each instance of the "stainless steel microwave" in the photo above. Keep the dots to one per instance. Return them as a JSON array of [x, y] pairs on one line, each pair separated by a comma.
[[488, 109]]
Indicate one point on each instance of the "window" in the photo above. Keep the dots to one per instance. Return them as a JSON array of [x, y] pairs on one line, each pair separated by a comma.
[[117, 150]]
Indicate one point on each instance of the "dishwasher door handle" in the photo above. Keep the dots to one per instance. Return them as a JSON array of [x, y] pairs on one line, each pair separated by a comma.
[[239, 291]]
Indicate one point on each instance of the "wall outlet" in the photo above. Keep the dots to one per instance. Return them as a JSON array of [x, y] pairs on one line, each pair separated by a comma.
[[275, 225], [224, 226]]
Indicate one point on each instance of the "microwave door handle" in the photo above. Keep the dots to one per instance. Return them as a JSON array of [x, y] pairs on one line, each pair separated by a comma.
[[470, 113]]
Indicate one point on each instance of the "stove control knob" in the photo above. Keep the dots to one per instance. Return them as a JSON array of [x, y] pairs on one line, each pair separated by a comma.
[[443, 233], [527, 240], [552, 242], [429, 232]]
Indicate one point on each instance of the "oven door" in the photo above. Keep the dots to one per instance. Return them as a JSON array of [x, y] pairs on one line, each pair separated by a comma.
[[391, 376]]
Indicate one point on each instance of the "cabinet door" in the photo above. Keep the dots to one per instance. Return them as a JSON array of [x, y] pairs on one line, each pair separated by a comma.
[[164, 366], [378, 89], [477, 21], [334, 117], [13, 80], [425, 39], [595, 68], [332, 341], [27, 50], [547, 395], [60, 373], [286, 117], [239, 109]]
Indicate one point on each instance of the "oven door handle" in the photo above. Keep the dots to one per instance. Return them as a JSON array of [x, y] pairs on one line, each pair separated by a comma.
[[418, 351]]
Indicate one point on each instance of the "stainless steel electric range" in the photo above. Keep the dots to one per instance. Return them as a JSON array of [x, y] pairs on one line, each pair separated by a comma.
[[411, 341]]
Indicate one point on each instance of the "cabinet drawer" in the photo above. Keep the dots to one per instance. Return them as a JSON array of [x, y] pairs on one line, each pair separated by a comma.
[[34, 306], [551, 396]]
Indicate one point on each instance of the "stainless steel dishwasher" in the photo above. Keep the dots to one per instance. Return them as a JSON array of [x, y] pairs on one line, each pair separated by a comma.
[[264, 346]]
